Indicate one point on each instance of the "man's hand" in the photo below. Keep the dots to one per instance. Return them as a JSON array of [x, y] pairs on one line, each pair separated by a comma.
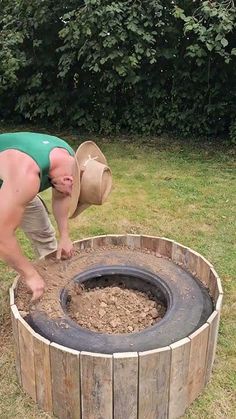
[[60, 206], [36, 284], [65, 248]]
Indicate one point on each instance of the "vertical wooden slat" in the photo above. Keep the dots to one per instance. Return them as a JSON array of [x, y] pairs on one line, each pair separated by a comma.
[[179, 254], [13, 289], [12, 297], [220, 290], [116, 240], [65, 372], [159, 245], [192, 261], [86, 243], [133, 241], [42, 372], [197, 362], [215, 287], [154, 381], [213, 322], [203, 270], [27, 357], [15, 283], [150, 243], [96, 385], [99, 241], [125, 376], [165, 247], [212, 284], [178, 396], [14, 320], [219, 302]]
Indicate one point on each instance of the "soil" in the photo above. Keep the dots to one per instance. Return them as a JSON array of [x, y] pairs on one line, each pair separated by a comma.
[[59, 275], [114, 309]]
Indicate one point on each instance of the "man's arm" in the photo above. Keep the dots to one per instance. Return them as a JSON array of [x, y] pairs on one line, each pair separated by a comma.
[[60, 207], [14, 196]]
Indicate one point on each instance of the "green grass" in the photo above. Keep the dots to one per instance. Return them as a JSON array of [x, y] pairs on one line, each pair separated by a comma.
[[166, 188]]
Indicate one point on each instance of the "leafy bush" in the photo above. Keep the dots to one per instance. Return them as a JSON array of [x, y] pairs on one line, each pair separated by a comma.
[[233, 132], [111, 66]]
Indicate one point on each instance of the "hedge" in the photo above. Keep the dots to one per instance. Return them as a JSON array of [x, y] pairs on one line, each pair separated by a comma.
[[147, 66]]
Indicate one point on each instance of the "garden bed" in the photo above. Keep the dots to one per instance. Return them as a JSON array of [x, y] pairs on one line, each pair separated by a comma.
[[154, 383]]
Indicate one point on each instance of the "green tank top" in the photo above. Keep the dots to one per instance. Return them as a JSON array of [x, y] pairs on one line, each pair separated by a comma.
[[38, 147]]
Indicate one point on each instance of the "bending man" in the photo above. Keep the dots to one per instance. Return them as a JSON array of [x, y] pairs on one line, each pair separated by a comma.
[[31, 163]]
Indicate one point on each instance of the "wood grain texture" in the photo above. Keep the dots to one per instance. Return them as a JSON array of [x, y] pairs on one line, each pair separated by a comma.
[[133, 241], [125, 381], [212, 284], [178, 396], [14, 321], [215, 287], [165, 247], [203, 270], [96, 386], [99, 241], [213, 322], [219, 302], [154, 381], [26, 344], [179, 254], [116, 240], [65, 373], [192, 261], [150, 243], [42, 372], [12, 297], [13, 290], [197, 361], [86, 243]]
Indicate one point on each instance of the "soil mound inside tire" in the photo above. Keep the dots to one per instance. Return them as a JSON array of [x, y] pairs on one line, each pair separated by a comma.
[[114, 309]]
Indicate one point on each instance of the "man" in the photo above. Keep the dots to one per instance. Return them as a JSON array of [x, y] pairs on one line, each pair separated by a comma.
[[31, 163]]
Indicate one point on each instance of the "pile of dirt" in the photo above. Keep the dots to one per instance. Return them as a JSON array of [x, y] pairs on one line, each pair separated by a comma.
[[114, 309]]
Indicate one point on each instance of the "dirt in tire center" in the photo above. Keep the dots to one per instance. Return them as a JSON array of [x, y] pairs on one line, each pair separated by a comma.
[[114, 309]]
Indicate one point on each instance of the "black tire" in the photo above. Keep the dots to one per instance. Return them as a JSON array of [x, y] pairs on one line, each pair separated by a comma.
[[186, 312]]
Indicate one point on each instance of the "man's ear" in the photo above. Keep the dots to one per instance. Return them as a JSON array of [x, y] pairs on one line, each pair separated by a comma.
[[67, 179]]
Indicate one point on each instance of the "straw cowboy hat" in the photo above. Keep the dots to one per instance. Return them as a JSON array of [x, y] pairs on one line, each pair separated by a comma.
[[92, 180]]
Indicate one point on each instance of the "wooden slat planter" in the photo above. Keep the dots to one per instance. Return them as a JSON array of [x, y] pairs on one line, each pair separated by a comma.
[[156, 384]]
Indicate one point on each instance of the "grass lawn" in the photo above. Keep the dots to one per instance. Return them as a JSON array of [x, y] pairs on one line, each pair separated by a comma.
[[166, 188]]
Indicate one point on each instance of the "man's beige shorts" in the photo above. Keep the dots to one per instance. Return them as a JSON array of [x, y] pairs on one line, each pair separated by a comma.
[[38, 228]]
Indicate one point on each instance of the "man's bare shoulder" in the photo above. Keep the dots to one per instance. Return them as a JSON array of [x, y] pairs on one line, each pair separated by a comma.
[[20, 176], [14, 163]]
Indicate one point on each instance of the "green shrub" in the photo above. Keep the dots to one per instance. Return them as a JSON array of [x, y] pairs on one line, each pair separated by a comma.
[[112, 66], [232, 136]]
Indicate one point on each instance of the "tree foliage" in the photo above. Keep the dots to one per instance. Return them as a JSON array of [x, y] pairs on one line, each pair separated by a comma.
[[108, 66]]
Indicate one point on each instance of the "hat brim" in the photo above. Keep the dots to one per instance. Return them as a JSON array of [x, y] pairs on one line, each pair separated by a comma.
[[90, 150], [75, 189], [80, 208]]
